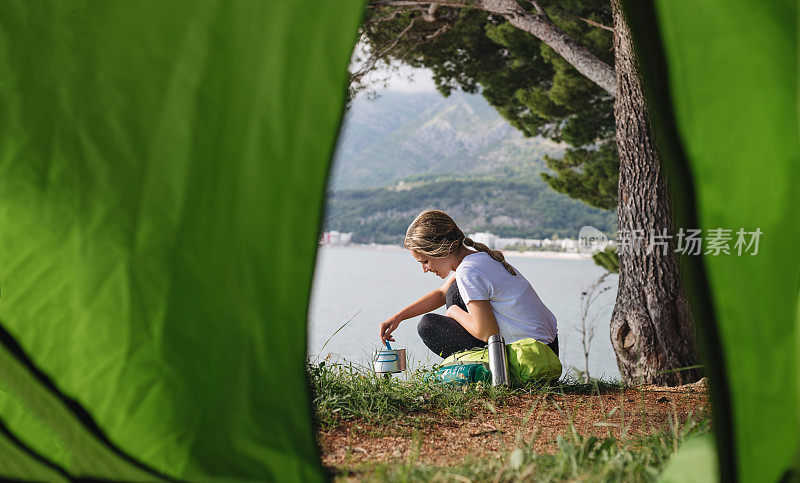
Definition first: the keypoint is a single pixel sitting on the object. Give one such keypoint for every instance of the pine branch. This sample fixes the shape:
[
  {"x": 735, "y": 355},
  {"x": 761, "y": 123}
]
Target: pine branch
[
  {"x": 539, "y": 25},
  {"x": 373, "y": 59},
  {"x": 597, "y": 24}
]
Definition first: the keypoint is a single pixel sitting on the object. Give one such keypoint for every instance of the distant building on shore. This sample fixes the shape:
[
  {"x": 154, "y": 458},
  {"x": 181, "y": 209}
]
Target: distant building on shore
[
  {"x": 496, "y": 242},
  {"x": 335, "y": 238},
  {"x": 488, "y": 239}
]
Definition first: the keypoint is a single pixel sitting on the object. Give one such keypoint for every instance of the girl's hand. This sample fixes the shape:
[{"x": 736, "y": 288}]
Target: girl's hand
[{"x": 387, "y": 327}]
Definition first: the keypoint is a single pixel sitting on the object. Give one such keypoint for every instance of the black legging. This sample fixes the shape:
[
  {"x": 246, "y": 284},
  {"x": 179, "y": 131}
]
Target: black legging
[{"x": 445, "y": 336}]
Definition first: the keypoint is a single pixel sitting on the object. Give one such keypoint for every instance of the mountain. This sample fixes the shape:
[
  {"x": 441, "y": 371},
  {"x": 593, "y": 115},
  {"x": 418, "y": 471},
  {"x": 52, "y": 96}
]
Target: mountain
[
  {"x": 507, "y": 202},
  {"x": 399, "y": 135},
  {"x": 403, "y": 153}
]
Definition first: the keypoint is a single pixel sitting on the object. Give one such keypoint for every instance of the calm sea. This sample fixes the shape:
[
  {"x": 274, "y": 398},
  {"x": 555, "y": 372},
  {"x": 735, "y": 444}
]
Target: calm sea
[{"x": 366, "y": 285}]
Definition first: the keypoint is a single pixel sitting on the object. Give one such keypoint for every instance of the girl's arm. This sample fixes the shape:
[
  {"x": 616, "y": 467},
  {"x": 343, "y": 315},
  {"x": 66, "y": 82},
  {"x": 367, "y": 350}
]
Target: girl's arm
[
  {"x": 427, "y": 303},
  {"x": 479, "y": 321}
]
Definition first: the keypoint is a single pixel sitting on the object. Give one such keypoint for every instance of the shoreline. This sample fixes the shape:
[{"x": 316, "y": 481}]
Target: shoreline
[
  {"x": 526, "y": 254},
  {"x": 546, "y": 254}
]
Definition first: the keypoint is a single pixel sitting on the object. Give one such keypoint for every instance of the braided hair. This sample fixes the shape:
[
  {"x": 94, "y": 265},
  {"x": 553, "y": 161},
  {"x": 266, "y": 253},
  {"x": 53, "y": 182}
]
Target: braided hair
[{"x": 434, "y": 234}]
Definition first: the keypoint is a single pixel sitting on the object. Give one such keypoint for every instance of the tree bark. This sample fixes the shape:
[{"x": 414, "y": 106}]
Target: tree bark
[{"x": 651, "y": 324}]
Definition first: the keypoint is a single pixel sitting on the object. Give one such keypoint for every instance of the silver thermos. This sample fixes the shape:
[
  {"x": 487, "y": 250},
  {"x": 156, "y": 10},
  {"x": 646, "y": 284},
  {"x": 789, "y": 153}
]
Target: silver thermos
[{"x": 497, "y": 360}]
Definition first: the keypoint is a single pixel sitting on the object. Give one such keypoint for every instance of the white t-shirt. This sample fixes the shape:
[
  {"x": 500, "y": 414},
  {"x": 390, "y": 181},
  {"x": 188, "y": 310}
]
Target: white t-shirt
[{"x": 517, "y": 308}]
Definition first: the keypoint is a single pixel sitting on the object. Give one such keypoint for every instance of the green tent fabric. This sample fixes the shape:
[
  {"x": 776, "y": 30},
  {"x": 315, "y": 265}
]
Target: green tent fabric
[
  {"x": 722, "y": 77},
  {"x": 694, "y": 463},
  {"x": 162, "y": 172},
  {"x": 162, "y": 168}
]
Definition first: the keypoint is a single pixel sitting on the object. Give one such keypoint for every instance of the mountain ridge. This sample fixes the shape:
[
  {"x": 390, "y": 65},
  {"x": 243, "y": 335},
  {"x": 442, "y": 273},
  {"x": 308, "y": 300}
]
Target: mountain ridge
[
  {"x": 399, "y": 135},
  {"x": 410, "y": 152}
]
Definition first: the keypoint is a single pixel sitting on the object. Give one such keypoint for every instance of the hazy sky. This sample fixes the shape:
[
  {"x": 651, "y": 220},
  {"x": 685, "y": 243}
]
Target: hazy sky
[
  {"x": 405, "y": 79},
  {"x": 409, "y": 79}
]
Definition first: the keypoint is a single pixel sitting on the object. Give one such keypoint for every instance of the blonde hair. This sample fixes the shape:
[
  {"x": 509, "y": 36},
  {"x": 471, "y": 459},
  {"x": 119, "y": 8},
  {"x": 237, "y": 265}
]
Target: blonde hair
[{"x": 434, "y": 234}]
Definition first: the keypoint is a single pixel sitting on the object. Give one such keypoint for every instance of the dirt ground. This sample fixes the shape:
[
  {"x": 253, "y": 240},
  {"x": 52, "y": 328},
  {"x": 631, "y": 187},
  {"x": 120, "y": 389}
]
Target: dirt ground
[{"x": 444, "y": 441}]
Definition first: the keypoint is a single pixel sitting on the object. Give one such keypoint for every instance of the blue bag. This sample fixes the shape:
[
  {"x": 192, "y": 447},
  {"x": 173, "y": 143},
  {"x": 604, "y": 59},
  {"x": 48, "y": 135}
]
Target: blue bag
[{"x": 464, "y": 372}]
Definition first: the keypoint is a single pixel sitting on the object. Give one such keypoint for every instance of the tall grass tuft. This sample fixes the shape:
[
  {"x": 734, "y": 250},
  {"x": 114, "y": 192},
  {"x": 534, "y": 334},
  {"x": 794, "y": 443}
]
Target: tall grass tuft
[{"x": 345, "y": 391}]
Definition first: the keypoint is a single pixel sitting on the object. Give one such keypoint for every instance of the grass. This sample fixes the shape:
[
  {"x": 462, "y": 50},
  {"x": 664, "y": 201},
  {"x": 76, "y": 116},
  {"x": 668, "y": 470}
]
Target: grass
[
  {"x": 383, "y": 404},
  {"x": 346, "y": 391}
]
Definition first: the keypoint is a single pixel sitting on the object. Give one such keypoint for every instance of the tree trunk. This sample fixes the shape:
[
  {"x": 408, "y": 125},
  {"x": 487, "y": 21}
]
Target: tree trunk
[{"x": 651, "y": 325}]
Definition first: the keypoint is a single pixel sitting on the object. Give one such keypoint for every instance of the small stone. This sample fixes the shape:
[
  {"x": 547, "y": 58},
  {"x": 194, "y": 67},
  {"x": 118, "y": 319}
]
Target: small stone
[{"x": 516, "y": 458}]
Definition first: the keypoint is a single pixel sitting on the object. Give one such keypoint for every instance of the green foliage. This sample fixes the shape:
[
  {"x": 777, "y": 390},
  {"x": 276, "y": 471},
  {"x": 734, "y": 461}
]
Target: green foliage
[
  {"x": 586, "y": 174},
  {"x": 607, "y": 259},
  {"x": 530, "y": 85}
]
